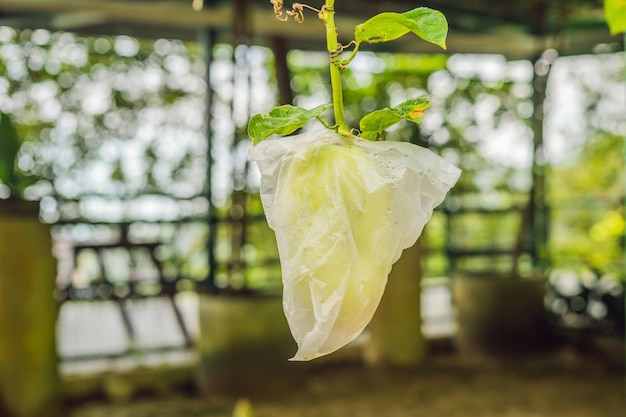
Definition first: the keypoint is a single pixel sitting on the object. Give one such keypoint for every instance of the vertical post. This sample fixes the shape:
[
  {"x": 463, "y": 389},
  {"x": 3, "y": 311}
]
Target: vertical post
[
  {"x": 207, "y": 39},
  {"x": 624, "y": 72},
  {"x": 240, "y": 107},
  {"x": 280, "y": 48},
  {"x": 29, "y": 379},
  {"x": 539, "y": 227}
]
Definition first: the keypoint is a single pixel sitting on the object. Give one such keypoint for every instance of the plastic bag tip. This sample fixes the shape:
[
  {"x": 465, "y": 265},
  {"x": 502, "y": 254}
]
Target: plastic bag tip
[{"x": 298, "y": 357}]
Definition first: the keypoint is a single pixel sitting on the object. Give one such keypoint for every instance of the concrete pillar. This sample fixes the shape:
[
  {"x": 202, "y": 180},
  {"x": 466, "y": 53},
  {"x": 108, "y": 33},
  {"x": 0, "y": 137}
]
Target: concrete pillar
[
  {"x": 395, "y": 331},
  {"x": 29, "y": 380}
]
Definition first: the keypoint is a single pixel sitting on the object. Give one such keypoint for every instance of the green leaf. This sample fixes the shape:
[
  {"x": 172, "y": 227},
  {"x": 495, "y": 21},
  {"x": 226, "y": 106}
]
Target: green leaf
[
  {"x": 373, "y": 124},
  {"x": 373, "y": 136},
  {"x": 430, "y": 25},
  {"x": 378, "y": 121},
  {"x": 282, "y": 120},
  {"x": 615, "y": 13},
  {"x": 9, "y": 147}
]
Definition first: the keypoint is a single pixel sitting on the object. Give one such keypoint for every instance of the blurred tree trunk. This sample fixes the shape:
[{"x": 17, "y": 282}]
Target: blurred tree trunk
[{"x": 280, "y": 48}]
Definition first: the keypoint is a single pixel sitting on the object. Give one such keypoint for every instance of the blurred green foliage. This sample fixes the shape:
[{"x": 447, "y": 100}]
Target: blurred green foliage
[
  {"x": 97, "y": 115},
  {"x": 117, "y": 116},
  {"x": 587, "y": 199}
]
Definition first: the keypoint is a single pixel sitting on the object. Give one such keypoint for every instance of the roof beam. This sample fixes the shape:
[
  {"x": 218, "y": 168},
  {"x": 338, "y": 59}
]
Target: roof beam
[{"x": 176, "y": 18}]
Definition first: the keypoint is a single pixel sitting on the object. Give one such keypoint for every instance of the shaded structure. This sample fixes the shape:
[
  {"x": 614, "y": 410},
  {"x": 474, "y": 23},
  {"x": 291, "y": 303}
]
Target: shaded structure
[{"x": 516, "y": 29}]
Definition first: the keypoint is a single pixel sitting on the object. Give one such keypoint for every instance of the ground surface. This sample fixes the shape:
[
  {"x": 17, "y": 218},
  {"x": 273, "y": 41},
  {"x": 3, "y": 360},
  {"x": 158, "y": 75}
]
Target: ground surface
[{"x": 567, "y": 384}]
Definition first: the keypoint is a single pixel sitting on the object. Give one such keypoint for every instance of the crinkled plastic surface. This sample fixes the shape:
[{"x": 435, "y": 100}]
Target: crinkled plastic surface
[{"x": 343, "y": 210}]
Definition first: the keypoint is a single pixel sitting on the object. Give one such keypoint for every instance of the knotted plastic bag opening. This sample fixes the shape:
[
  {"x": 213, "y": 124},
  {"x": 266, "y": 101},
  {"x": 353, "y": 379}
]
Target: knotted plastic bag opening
[{"x": 343, "y": 210}]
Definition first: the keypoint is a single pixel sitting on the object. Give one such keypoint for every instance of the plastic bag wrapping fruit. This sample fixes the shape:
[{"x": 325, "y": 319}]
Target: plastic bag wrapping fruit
[{"x": 342, "y": 211}]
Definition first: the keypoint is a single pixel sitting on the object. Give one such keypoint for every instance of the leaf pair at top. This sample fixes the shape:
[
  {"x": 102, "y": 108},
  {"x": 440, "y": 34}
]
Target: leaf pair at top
[{"x": 286, "y": 119}]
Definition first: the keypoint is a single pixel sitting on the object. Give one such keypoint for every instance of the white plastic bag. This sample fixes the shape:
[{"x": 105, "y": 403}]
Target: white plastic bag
[{"x": 343, "y": 210}]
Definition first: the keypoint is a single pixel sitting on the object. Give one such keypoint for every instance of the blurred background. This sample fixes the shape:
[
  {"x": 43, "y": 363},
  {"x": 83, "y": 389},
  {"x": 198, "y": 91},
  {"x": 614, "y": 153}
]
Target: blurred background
[{"x": 165, "y": 283}]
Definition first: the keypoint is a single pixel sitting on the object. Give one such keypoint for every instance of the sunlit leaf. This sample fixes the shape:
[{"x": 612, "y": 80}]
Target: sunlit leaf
[
  {"x": 430, "y": 25},
  {"x": 373, "y": 124},
  {"x": 282, "y": 120},
  {"x": 615, "y": 12},
  {"x": 412, "y": 109}
]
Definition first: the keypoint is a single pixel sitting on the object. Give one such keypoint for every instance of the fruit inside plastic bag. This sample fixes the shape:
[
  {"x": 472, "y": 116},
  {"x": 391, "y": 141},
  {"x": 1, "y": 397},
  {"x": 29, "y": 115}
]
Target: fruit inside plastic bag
[{"x": 343, "y": 210}]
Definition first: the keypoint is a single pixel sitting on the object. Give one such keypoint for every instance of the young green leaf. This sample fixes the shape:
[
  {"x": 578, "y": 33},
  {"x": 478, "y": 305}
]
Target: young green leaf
[
  {"x": 378, "y": 121},
  {"x": 9, "y": 146},
  {"x": 372, "y": 136},
  {"x": 282, "y": 120},
  {"x": 430, "y": 25},
  {"x": 373, "y": 124}
]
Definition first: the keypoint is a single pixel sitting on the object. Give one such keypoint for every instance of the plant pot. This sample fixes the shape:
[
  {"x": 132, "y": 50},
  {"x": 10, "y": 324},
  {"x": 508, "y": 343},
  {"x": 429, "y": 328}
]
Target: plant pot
[
  {"x": 244, "y": 342},
  {"x": 395, "y": 336},
  {"x": 497, "y": 313},
  {"x": 29, "y": 380}
]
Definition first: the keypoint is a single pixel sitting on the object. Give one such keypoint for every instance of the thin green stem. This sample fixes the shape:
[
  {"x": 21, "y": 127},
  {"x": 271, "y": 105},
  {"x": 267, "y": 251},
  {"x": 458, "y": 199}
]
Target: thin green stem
[
  {"x": 346, "y": 62},
  {"x": 328, "y": 16},
  {"x": 326, "y": 125}
]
